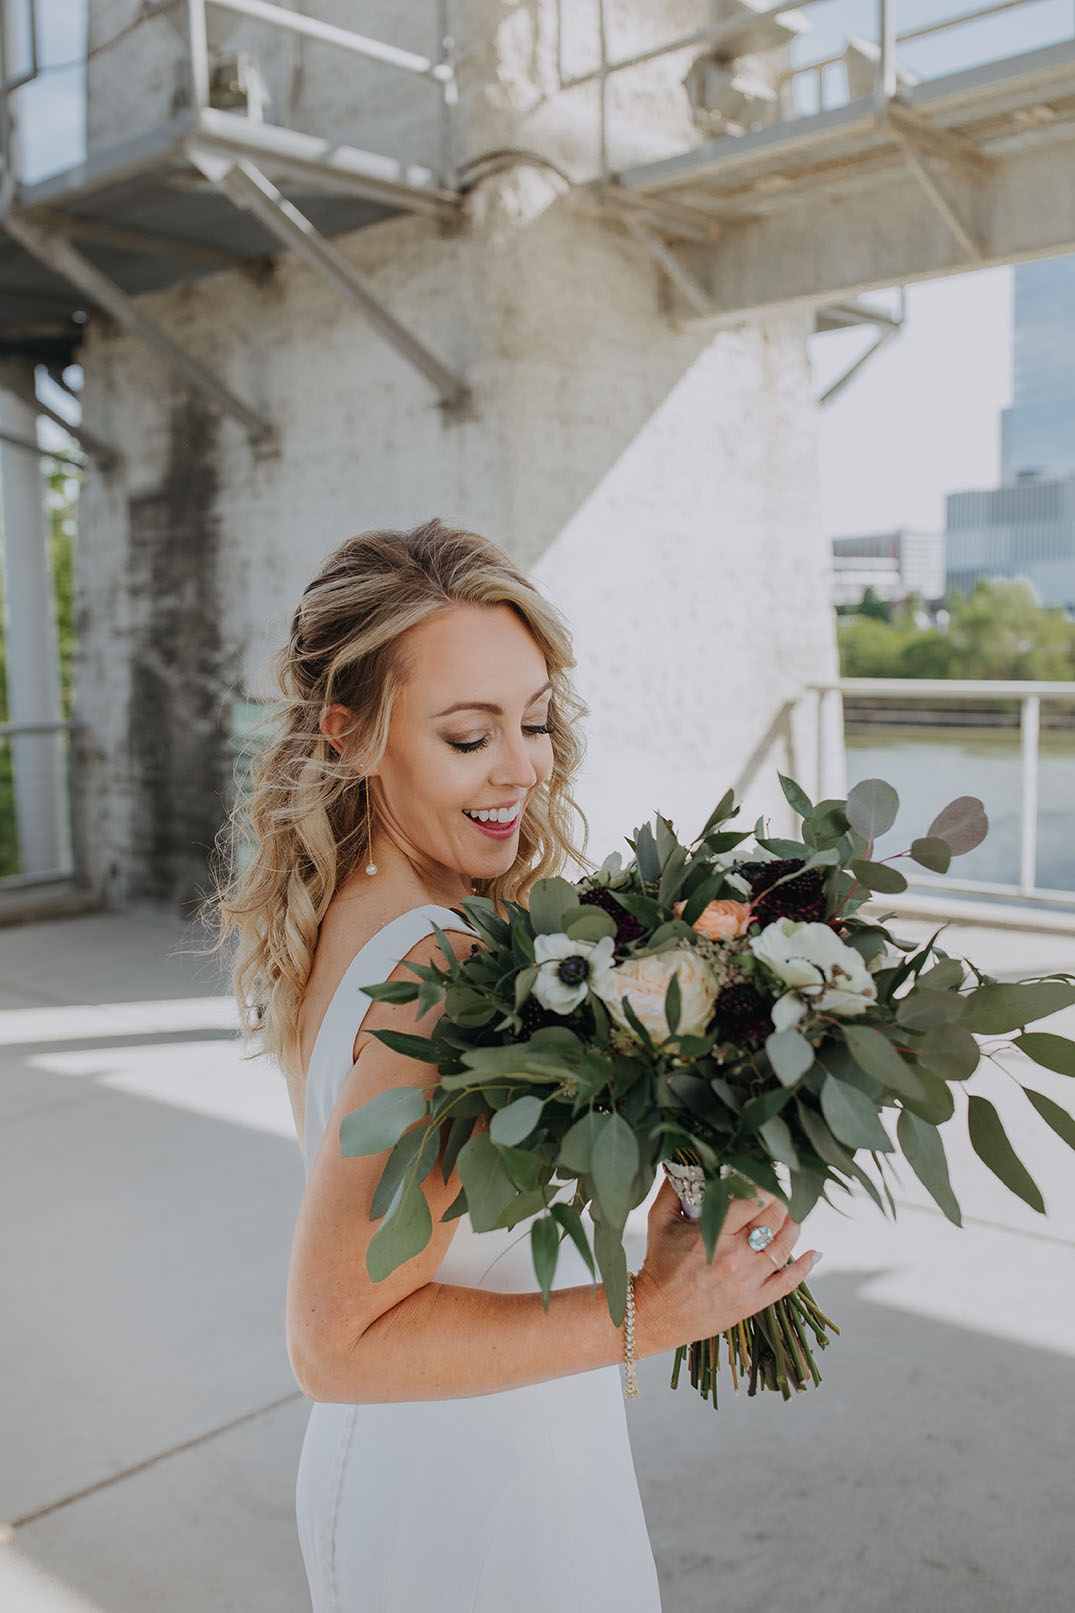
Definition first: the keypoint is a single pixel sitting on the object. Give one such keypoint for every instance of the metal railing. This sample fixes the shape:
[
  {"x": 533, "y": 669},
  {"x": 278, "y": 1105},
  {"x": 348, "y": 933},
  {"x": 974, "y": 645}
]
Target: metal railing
[
  {"x": 830, "y": 774},
  {"x": 201, "y": 23},
  {"x": 38, "y": 835},
  {"x": 886, "y": 68}
]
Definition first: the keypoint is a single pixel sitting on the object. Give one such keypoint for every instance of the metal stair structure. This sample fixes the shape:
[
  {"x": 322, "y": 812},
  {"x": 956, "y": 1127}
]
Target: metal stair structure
[{"x": 907, "y": 178}]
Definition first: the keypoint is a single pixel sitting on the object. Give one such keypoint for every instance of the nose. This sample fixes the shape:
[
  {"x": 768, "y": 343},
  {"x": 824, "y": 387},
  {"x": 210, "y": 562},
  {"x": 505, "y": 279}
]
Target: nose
[{"x": 517, "y": 767}]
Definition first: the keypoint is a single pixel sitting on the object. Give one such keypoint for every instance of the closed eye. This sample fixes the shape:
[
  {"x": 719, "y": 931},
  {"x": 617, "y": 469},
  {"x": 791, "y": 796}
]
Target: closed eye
[{"x": 476, "y": 744}]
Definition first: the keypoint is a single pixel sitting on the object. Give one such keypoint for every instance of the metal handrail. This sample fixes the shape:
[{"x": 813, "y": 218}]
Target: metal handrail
[{"x": 1030, "y": 694}]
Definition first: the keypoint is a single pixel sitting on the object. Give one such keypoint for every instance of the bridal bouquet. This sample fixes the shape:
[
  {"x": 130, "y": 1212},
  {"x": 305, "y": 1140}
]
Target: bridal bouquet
[{"x": 721, "y": 1012}]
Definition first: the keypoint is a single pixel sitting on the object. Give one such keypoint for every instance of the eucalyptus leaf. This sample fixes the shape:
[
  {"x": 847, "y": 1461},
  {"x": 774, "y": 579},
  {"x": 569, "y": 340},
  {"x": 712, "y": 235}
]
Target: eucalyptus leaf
[
  {"x": 1053, "y": 1115},
  {"x": 852, "y": 1117},
  {"x": 612, "y": 1264},
  {"x": 1052, "y": 1052},
  {"x": 549, "y": 900},
  {"x": 931, "y": 852},
  {"x": 672, "y": 1003},
  {"x": 576, "y": 1145},
  {"x": 871, "y": 807},
  {"x": 878, "y": 876},
  {"x": 875, "y": 1054},
  {"x": 414, "y": 1047},
  {"x": 715, "y": 1202},
  {"x": 937, "y": 1105},
  {"x": 806, "y": 1188},
  {"x": 399, "y": 1161},
  {"x": 523, "y": 1167},
  {"x": 962, "y": 823},
  {"x": 923, "y": 1008},
  {"x": 949, "y": 1051},
  {"x": 924, "y": 1152},
  {"x": 381, "y": 1120},
  {"x": 589, "y": 923},
  {"x": 776, "y": 1135},
  {"x": 790, "y": 1054},
  {"x": 795, "y": 796},
  {"x": 391, "y": 991},
  {"x": 544, "y": 1249},
  {"x": 571, "y": 1221},
  {"x": 614, "y": 1163},
  {"x": 990, "y": 1142},
  {"x": 516, "y": 1120},
  {"x": 404, "y": 1232},
  {"x": 1004, "y": 1006},
  {"x": 489, "y": 1188}
]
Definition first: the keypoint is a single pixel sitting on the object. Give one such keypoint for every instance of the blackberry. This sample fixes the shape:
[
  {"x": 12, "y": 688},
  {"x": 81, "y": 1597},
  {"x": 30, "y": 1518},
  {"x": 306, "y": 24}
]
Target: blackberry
[
  {"x": 535, "y": 1017},
  {"x": 801, "y": 899},
  {"x": 627, "y": 928}
]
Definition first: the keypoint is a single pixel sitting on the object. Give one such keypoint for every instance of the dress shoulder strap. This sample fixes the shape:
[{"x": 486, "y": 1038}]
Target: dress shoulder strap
[{"x": 330, "y": 1059}]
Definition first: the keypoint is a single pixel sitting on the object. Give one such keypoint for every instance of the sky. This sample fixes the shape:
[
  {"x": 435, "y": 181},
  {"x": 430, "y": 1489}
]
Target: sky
[{"x": 922, "y": 418}]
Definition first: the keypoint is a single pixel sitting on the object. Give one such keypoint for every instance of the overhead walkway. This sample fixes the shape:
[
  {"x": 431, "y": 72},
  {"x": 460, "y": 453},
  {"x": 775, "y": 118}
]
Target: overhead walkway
[{"x": 908, "y": 179}]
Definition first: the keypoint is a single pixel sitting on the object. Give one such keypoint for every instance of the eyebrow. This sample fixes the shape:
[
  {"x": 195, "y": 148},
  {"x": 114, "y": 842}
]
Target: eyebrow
[{"x": 487, "y": 705}]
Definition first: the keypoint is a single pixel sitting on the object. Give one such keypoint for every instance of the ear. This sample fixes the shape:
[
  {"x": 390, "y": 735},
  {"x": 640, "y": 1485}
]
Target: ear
[{"x": 331, "y": 720}]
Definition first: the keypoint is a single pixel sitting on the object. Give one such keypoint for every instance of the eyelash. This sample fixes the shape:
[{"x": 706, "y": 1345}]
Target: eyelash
[{"x": 476, "y": 744}]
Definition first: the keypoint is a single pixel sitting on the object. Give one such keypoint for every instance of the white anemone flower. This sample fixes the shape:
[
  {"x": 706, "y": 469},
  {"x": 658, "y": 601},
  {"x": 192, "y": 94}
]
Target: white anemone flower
[
  {"x": 817, "y": 966},
  {"x": 559, "y": 990}
]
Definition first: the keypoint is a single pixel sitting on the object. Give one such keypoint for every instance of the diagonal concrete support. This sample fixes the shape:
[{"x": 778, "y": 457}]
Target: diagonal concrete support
[
  {"x": 250, "y": 189},
  {"x": 665, "y": 258},
  {"x": 915, "y": 138},
  {"x": 50, "y": 248}
]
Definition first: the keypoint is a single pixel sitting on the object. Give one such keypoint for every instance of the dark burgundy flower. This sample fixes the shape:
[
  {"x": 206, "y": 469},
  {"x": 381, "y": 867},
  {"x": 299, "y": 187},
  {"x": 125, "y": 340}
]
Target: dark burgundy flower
[
  {"x": 801, "y": 899},
  {"x": 741, "y": 1014},
  {"x": 534, "y": 1017},
  {"x": 627, "y": 928}
]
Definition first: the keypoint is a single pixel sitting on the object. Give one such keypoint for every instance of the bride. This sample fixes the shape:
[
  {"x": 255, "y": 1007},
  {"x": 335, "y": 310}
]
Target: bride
[{"x": 465, "y": 1449}]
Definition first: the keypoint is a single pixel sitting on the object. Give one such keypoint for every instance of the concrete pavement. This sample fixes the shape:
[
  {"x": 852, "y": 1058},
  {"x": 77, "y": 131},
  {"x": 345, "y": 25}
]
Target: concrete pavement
[{"x": 150, "y": 1428}]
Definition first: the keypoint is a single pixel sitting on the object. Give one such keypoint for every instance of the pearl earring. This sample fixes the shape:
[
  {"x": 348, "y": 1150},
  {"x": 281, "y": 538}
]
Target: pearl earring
[{"x": 371, "y": 866}]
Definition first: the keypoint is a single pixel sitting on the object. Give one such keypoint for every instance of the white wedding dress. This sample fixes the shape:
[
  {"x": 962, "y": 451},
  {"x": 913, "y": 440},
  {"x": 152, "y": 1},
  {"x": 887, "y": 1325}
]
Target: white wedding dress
[{"x": 519, "y": 1501}]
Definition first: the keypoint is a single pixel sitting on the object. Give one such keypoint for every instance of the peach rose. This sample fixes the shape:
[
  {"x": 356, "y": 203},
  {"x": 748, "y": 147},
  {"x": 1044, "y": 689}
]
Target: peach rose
[
  {"x": 719, "y": 920},
  {"x": 644, "y": 982}
]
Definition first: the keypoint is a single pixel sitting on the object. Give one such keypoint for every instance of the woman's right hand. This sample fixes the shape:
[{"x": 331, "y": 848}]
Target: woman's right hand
[{"x": 680, "y": 1296}]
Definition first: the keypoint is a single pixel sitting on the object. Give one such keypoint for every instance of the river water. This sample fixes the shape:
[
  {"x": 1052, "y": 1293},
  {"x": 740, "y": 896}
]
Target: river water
[{"x": 928, "y": 767}]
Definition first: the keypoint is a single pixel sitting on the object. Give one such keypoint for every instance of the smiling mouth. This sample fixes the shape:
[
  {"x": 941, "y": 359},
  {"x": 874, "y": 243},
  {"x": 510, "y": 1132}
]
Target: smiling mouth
[{"x": 494, "y": 816}]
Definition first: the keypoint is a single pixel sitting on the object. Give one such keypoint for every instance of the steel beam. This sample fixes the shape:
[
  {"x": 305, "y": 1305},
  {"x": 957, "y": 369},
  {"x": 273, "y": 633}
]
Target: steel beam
[
  {"x": 666, "y": 260},
  {"x": 50, "y": 248},
  {"x": 249, "y": 188},
  {"x": 22, "y": 385}
]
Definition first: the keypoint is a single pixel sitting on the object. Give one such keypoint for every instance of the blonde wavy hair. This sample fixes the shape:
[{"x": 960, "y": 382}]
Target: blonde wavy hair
[{"x": 299, "y": 829}]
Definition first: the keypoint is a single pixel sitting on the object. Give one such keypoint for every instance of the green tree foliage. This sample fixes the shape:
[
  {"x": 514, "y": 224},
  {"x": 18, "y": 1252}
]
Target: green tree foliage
[
  {"x": 62, "y": 484},
  {"x": 998, "y": 631}
]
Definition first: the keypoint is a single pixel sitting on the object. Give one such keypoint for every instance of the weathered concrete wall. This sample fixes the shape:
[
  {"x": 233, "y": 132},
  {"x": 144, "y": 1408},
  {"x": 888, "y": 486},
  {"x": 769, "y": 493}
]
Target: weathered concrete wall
[{"x": 659, "y": 481}]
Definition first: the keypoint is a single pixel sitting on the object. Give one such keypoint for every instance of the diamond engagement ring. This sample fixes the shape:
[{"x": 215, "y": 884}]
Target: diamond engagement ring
[{"x": 761, "y": 1237}]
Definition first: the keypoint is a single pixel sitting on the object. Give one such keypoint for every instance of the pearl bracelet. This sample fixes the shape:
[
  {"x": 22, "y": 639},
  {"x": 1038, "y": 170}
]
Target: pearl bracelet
[{"x": 630, "y": 1385}]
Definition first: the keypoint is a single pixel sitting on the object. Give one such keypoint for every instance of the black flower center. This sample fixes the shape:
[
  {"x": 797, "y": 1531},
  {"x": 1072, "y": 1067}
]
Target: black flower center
[{"x": 573, "y": 970}]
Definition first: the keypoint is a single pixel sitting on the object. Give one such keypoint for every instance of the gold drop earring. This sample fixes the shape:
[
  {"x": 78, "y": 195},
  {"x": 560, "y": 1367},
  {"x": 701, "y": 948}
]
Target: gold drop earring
[{"x": 371, "y": 866}]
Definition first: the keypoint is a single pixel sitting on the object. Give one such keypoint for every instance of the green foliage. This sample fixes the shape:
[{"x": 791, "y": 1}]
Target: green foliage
[
  {"x": 61, "y": 495},
  {"x": 997, "y": 631}
]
